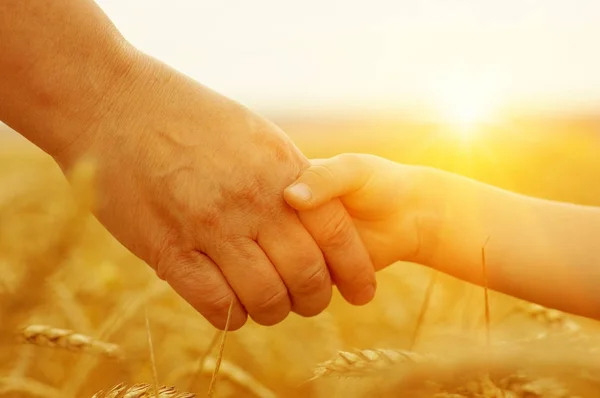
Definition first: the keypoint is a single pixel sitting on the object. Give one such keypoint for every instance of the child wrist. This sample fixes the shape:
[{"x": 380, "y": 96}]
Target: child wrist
[{"x": 429, "y": 213}]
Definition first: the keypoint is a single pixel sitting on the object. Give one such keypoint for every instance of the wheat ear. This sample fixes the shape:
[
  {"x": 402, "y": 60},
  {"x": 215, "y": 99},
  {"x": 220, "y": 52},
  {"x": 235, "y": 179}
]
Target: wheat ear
[
  {"x": 48, "y": 336},
  {"x": 360, "y": 363},
  {"x": 553, "y": 318},
  {"x": 142, "y": 391}
]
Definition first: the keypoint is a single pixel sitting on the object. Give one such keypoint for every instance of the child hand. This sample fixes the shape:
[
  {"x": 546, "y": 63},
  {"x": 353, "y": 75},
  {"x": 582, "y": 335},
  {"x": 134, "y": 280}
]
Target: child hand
[{"x": 385, "y": 199}]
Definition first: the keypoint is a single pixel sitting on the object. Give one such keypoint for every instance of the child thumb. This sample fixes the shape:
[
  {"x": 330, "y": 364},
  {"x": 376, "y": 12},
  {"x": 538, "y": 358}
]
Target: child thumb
[{"x": 323, "y": 181}]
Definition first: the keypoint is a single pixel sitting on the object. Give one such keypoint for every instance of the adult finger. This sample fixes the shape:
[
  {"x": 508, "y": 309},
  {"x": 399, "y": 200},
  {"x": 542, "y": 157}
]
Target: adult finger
[
  {"x": 254, "y": 279},
  {"x": 300, "y": 264},
  {"x": 348, "y": 260},
  {"x": 198, "y": 280},
  {"x": 327, "y": 179}
]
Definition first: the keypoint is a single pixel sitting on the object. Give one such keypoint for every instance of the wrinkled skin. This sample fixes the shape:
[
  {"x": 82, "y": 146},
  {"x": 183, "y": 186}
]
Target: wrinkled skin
[{"x": 192, "y": 183}]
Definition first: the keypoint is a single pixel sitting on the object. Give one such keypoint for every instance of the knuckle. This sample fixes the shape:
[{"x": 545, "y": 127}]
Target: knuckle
[
  {"x": 237, "y": 245},
  {"x": 170, "y": 249},
  {"x": 170, "y": 264},
  {"x": 217, "y": 313},
  {"x": 272, "y": 307},
  {"x": 162, "y": 268},
  {"x": 337, "y": 230},
  {"x": 311, "y": 280},
  {"x": 277, "y": 146},
  {"x": 162, "y": 253},
  {"x": 189, "y": 269},
  {"x": 219, "y": 304},
  {"x": 312, "y": 294}
]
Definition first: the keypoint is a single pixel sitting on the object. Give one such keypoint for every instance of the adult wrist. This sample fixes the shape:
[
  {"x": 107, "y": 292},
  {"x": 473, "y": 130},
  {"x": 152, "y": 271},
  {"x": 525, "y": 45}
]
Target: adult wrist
[{"x": 103, "y": 89}]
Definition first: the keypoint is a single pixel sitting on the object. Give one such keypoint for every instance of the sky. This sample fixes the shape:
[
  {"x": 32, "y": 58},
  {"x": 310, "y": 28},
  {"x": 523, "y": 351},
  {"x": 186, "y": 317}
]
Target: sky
[{"x": 377, "y": 54}]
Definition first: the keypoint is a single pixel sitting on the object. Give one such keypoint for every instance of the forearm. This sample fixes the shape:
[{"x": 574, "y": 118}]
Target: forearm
[
  {"x": 60, "y": 59},
  {"x": 542, "y": 251}
]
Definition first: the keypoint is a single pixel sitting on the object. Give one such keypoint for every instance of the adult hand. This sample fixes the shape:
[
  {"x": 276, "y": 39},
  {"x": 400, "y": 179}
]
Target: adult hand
[{"x": 192, "y": 183}]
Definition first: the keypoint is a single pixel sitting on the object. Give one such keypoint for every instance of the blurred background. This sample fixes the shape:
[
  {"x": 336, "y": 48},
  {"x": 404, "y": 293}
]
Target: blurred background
[{"x": 503, "y": 91}]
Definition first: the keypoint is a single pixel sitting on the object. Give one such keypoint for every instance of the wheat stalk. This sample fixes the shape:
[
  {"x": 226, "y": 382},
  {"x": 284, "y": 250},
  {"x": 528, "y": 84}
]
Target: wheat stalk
[
  {"x": 48, "y": 336},
  {"x": 213, "y": 380},
  {"x": 228, "y": 371},
  {"x": 486, "y": 296},
  {"x": 424, "y": 307},
  {"x": 202, "y": 361},
  {"x": 152, "y": 358},
  {"x": 359, "y": 363},
  {"x": 142, "y": 391}
]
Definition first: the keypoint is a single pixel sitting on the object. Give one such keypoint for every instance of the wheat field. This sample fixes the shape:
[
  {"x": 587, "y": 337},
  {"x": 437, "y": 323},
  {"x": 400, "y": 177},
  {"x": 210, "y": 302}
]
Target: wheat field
[{"x": 82, "y": 317}]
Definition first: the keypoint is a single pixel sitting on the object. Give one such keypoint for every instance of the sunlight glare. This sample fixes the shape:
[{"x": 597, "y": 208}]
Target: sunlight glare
[{"x": 466, "y": 107}]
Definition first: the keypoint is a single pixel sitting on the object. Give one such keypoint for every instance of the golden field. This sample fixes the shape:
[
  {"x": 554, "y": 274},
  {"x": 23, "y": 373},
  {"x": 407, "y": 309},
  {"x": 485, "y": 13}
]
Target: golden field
[{"x": 79, "y": 314}]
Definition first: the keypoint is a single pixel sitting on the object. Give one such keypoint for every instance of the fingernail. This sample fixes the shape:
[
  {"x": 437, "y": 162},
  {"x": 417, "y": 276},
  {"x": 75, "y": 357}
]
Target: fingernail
[{"x": 301, "y": 191}]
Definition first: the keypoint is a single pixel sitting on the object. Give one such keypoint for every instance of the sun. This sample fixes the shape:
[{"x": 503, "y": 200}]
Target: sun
[
  {"x": 466, "y": 117},
  {"x": 465, "y": 108}
]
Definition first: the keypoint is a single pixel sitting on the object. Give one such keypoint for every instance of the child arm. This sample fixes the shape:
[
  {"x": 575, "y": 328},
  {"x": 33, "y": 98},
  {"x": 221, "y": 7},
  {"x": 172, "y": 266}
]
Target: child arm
[{"x": 538, "y": 250}]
